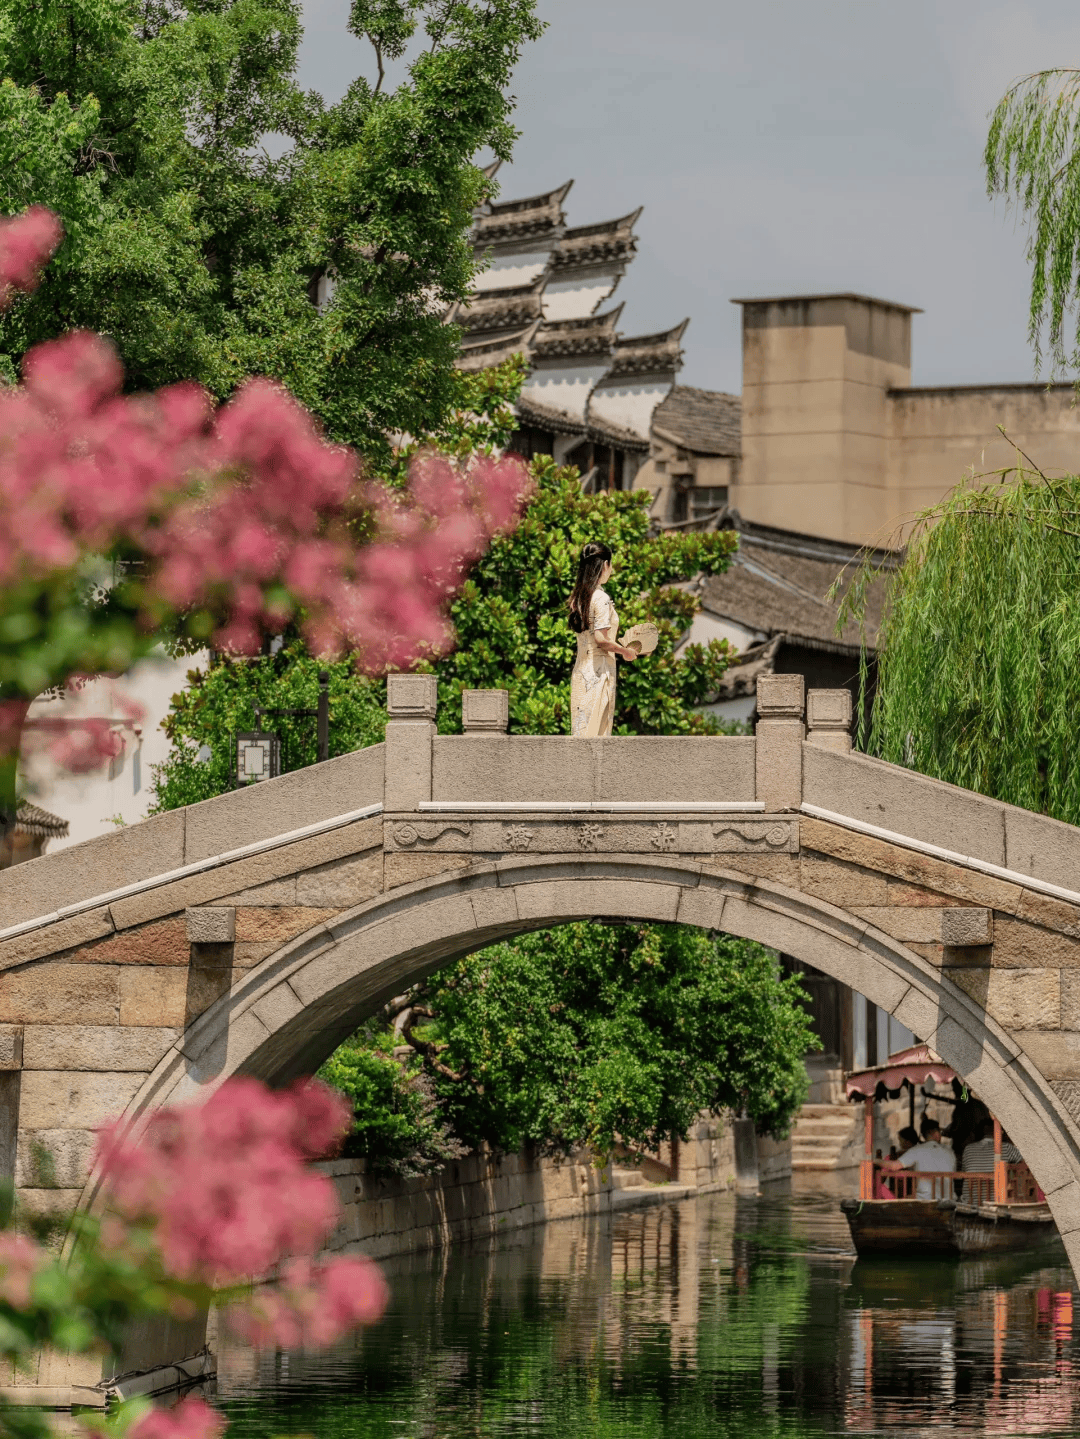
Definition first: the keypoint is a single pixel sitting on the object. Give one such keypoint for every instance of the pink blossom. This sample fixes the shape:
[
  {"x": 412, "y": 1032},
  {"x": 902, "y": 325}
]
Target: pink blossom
[
  {"x": 20, "y": 1259},
  {"x": 313, "y": 1305},
  {"x": 26, "y": 243},
  {"x": 243, "y": 516},
  {"x": 192, "y": 1418},
  {"x": 226, "y": 1183}
]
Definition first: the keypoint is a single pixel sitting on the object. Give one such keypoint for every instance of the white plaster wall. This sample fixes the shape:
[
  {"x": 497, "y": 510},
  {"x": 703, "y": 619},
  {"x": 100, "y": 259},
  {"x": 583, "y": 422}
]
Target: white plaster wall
[
  {"x": 574, "y": 299},
  {"x": 90, "y": 802},
  {"x": 630, "y": 406},
  {"x": 565, "y": 389},
  {"x": 705, "y": 627},
  {"x": 510, "y": 270}
]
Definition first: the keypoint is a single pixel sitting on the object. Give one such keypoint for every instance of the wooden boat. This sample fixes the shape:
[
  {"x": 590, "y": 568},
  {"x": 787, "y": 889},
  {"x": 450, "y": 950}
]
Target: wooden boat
[{"x": 944, "y": 1213}]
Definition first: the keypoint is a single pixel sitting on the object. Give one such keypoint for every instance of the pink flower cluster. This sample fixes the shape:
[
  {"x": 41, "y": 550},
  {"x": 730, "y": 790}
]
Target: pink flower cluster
[
  {"x": 227, "y": 1184},
  {"x": 20, "y": 1259},
  {"x": 192, "y": 1418},
  {"x": 312, "y": 1305},
  {"x": 26, "y": 243}
]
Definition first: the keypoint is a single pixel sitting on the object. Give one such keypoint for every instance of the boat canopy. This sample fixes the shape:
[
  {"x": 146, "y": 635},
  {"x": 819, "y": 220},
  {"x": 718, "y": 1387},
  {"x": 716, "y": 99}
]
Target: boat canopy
[{"x": 912, "y": 1067}]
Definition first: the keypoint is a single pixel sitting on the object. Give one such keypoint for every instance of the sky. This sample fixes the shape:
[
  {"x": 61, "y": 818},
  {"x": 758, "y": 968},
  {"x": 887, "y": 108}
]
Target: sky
[{"x": 780, "y": 147}]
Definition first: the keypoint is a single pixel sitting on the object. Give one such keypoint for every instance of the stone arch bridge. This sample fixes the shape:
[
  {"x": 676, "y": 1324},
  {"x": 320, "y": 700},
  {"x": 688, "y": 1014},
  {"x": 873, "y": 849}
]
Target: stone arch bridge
[{"x": 252, "y": 932}]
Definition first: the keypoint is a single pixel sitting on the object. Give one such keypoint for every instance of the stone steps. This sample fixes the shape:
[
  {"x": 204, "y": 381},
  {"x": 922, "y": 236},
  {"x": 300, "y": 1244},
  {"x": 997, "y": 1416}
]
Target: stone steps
[{"x": 822, "y": 1132}]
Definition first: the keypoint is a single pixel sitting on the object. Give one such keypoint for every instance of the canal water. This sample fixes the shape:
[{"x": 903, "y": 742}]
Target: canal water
[{"x": 717, "y": 1316}]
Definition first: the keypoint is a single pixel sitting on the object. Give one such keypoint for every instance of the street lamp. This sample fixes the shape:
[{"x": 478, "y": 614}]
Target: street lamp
[{"x": 258, "y": 756}]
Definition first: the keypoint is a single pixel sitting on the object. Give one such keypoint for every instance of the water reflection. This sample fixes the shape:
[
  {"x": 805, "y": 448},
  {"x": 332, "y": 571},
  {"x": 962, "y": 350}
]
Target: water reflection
[{"x": 714, "y": 1316}]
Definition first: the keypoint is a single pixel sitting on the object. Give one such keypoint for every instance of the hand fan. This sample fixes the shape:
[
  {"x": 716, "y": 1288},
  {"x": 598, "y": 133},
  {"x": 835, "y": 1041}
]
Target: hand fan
[{"x": 640, "y": 638}]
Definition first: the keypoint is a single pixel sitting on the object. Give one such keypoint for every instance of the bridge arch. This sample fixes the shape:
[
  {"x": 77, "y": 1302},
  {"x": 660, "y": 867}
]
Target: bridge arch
[{"x": 286, "y": 1016}]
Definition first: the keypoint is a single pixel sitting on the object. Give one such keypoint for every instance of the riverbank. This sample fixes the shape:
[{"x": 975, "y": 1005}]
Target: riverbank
[{"x": 485, "y": 1194}]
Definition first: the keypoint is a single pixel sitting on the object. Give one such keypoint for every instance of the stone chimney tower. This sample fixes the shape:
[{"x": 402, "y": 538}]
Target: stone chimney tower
[{"x": 817, "y": 370}]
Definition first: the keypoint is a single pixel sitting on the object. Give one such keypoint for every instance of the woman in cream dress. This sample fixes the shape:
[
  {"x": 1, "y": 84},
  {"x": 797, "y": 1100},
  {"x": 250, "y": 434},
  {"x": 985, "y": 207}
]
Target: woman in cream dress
[{"x": 593, "y": 617}]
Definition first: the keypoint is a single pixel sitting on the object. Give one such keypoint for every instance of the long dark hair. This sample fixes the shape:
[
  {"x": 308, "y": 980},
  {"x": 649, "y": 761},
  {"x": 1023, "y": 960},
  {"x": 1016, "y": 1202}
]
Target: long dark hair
[{"x": 590, "y": 567}]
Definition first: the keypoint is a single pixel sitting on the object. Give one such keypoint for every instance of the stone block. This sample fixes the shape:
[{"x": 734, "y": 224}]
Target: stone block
[
  {"x": 534, "y": 767},
  {"x": 342, "y": 884},
  {"x": 58, "y": 938},
  {"x": 1054, "y": 1053},
  {"x": 279, "y": 806},
  {"x": 399, "y": 869},
  {"x": 153, "y": 998},
  {"x": 828, "y": 718},
  {"x": 560, "y": 900},
  {"x": 494, "y": 908},
  {"x": 906, "y": 922},
  {"x": 778, "y": 760},
  {"x": 247, "y": 956},
  {"x": 1045, "y": 848},
  {"x": 412, "y": 696},
  {"x": 779, "y": 868},
  {"x": 110, "y": 1047},
  {"x": 847, "y": 885},
  {"x": 485, "y": 711},
  {"x": 277, "y": 1007},
  {"x": 1016, "y": 998},
  {"x": 967, "y": 926},
  {"x": 1023, "y": 946},
  {"x": 408, "y": 763},
  {"x": 54, "y": 1158},
  {"x": 212, "y": 924},
  {"x": 278, "y": 924},
  {"x": 59, "y": 993},
  {"x": 1070, "y": 998},
  {"x": 68, "y": 1099},
  {"x": 162, "y": 942},
  {"x": 654, "y": 767},
  {"x": 274, "y": 891},
  {"x": 83, "y": 871},
  {"x": 1050, "y": 913},
  {"x": 905, "y": 864},
  {"x": 11, "y": 1047},
  {"x": 903, "y": 802},
  {"x": 702, "y": 905},
  {"x": 781, "y": 696},
  {"x": 919, "y": 1012},
  {"x": 915, "y": 896}
]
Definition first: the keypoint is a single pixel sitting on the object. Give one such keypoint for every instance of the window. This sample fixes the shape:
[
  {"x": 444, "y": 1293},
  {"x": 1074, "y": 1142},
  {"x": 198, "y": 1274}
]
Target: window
[{"x": 707, "y": 498}]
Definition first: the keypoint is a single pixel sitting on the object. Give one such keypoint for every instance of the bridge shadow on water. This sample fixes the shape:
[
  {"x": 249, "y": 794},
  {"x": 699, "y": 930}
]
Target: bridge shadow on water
[{"x": 714, "y": 1316}]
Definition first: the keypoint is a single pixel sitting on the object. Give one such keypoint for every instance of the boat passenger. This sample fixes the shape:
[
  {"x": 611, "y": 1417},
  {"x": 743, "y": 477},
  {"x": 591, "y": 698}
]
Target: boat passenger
[
  {"x": 979, "y": 1159},
  {"x": 929, "y": 1157}
]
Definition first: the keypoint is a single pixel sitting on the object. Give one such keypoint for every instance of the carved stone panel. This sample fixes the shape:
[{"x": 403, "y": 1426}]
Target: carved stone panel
[{"x": 593, "y": 833}]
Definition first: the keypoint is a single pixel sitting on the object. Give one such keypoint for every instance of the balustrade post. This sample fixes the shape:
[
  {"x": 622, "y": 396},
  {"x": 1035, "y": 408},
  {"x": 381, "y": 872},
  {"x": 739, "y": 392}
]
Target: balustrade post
[
  {"x": 781, "y": 704},
  {"x": 410, "y": 702},
  {"x": 1001, "y": 1177},
  {"x": 828, "y": 719},
  {"x": 866, "y": 1168}
]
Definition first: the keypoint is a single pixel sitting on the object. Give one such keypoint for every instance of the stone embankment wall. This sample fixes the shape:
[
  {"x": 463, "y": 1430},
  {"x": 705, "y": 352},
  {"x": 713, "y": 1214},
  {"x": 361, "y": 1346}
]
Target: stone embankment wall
[{"x": 486, "y": 1194}]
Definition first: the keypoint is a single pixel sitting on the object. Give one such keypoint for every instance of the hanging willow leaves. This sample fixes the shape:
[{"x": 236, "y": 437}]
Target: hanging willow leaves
[
  {"x": 1032, "y": 158},
  {"x": 978, "y": 679}
]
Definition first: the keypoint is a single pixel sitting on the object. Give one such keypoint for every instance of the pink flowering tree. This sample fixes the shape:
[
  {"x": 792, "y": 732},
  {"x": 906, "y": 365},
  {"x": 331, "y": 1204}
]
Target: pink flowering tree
[
  {"x": 212, "y": 1204},
  {"x": 128, "y": 518}
]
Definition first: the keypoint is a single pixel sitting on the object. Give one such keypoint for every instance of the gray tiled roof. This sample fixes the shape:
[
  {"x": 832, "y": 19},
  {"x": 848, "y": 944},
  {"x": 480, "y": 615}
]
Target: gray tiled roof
[{"x": 707, "y": 422}]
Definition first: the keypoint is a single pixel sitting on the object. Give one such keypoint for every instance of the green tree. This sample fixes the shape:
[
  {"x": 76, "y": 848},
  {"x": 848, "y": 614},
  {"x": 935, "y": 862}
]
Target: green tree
[
  {"x": 143, "y": 123},
  {"x": 510, "y": 620},
  {"x": 594, "y": 1033},
  {"x": 1032, "y": 158},
  {"x": 978, "y": 677}
]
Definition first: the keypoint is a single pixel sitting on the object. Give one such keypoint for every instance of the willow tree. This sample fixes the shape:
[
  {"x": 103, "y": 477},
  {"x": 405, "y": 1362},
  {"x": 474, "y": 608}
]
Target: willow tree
[
  {"x": 979, "y": 650},
  {"x": 1032, "y": 158},
  {"x": 978, "y": 674}
]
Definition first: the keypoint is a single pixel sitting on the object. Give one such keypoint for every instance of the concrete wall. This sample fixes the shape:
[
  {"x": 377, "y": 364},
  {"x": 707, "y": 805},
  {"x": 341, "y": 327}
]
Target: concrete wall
[
  {"x": 836, "y": 443},
  {"x": 486, "y": 1194}
]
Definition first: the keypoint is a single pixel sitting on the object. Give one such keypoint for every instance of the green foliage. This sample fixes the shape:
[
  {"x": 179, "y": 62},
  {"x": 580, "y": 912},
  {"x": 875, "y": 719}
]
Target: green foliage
[
  {"x": 979, "y": 652},
  {"x": 511, "y": 625},
  {"x": 220, "y": 700},
  {"x": 142, "y": 122},
  {"x": 1032, "y": 157},
  {"x": 596, "y": 1033},
  {"x": 396, "y": 1125},
  {"x": 511, "y": 621}
]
